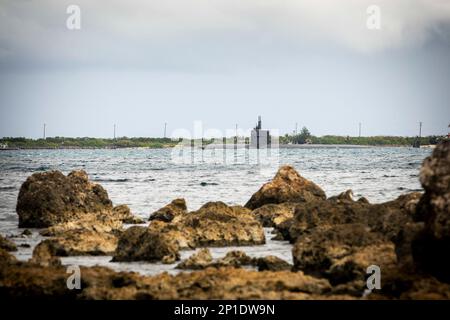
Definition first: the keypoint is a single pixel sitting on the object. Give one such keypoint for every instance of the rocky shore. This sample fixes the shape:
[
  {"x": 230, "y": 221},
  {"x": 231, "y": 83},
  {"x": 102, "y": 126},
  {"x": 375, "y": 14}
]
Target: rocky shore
[{"x": 335, "y": 239}]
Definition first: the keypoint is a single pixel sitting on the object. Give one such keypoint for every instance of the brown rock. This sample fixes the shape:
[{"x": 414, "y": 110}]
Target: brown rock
[
  {"x": 123, "y": 213},
  {"x": 342, "y": 253},
  {"x": 79, "y": 242},
  {"x": 272, "y": 263},
  {"x": 143, "y": 244},
  {"x": 199, "y": 260},
  {"x": 434, "y": 210},
  {"x": 286, "y": 186},
  {"x": 48, "y": 198},
  {"x": 216, "y": 224},
  {"x": 176, "y": 208},
  {"x": 386, "y": 218},
  {"x": 32, "y": 281},
  {"x": 95, "y": 222},
  {"x": 44, "y": 254},
  {"x": 7, "y": 245},
  {"x": 272, "y": 215},
  {"x": 235, "y": 258},
  {"x": 6, "y": 258}
]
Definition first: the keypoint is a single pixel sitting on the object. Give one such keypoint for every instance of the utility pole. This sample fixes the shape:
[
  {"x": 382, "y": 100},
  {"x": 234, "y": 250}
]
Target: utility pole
[
  {"x": 296, "y": 128},
  {"x": 44, "y": 130},
  {"x": 359, "y": 130},
  {"x": 165, "y": 129},
  {"x": 420, "y": 129},
  {"x": 114, "y": 131}
]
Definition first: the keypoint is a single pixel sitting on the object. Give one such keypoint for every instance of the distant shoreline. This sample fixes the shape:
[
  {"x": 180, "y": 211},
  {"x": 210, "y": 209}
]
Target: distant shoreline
[{"x": 228, "y": 146}]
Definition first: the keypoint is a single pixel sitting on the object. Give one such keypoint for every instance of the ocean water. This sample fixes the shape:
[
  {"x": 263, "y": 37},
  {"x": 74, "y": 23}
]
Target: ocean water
[{"x": 147, "y": 179}]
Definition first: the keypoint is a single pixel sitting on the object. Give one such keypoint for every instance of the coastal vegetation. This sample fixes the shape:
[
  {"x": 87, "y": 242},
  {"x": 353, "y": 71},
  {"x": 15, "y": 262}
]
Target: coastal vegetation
[
  {"x": 86, "y": 142},
  {"x": 304, "y": 137}
]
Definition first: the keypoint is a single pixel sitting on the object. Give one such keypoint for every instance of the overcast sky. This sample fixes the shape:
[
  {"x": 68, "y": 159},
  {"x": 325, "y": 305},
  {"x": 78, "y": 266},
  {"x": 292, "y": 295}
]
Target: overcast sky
[{"x": 142, "y": 63}]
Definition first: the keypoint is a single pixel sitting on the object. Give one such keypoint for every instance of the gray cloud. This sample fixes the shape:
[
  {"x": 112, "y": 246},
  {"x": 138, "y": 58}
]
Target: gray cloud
[
  {"x": 142, "y": 63},
  {"x": 184, "y": 33}
]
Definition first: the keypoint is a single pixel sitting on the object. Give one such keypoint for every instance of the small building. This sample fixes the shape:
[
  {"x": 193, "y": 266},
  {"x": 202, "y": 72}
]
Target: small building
[{"x": 260, "y": 139}]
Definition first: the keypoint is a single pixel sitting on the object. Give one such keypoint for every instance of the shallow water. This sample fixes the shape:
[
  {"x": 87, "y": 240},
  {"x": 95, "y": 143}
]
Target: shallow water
[{"x": 147, "y": 179}]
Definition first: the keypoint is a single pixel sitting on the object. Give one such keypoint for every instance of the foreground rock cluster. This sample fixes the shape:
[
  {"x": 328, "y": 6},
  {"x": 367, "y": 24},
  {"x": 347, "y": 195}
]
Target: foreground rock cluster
[
  {"x": 76, "y": 213},
  {"x": 334, "y": 241}
]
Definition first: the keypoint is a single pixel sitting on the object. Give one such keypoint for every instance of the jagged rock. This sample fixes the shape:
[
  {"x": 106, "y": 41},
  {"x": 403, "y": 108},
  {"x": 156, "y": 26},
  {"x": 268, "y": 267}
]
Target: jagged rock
[
  {"x": 390, "y": 217},
  {"x": 199, "y": 260},
  {"x": 27, "y": 233},
  {"x": 342, "y": 253},
  {"x": 176, "y": 208},
  {"x": 203, "y": 260},
  {"x": 434, "y": 210},
  {"x": 44, "y": 254},
  {"x": 5, "y": 259},
  {"x": 48, "y": 198},
  {"x": 271, "y": 215},
  {"x": 346, "y": 196},
  {"x": 143, "y": 244},
  {"x": 123, "y": 213},
  {"x": 7, "y": 245},
  {"x": 403, "y": 245},
  {"x": 286, "y": 186},
  {"x": 410, "y": 285},
  {"x": 235, "y": 258},
  {"x": 33, "y": 281},
  {"x": 95, "y": 222},
  {"x": 77, "y": 242},
  {"x": 174, "y": 231},
  {"x": 216, "y": 224},
  {"x": 386, "y": 218},
  {"x": 272, "y": 263}
]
